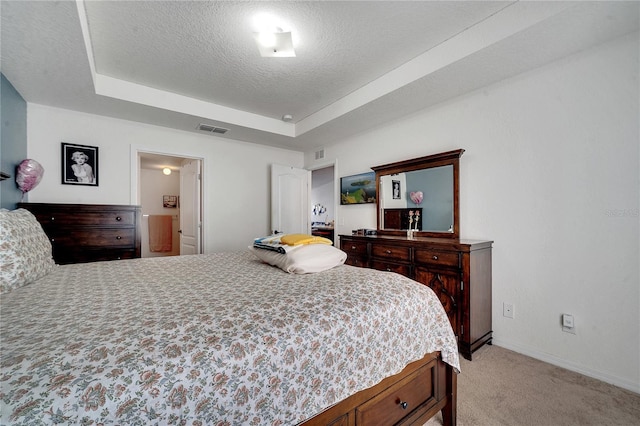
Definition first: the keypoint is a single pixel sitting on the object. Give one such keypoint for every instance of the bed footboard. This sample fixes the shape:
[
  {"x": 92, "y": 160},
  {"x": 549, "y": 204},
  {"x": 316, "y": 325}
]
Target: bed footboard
[{"x": 410, "y": 397}]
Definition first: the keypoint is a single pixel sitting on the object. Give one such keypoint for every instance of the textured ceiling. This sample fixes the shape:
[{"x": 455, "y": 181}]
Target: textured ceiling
[
  {"x": 358, "y": 64},
  {"x": 217, "y": 60}
]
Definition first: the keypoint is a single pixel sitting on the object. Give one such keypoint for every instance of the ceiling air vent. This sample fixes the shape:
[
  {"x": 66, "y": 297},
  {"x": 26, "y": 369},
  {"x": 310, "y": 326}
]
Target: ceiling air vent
[{"x": 212, "y": 129}]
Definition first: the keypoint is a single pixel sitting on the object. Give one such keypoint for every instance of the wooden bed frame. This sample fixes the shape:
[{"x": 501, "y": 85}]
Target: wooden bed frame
[{"x": 410, "y": 397}]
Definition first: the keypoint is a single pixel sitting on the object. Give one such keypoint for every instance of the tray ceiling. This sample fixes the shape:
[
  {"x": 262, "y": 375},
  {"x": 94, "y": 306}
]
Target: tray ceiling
[{"x": 358, "y": 64}]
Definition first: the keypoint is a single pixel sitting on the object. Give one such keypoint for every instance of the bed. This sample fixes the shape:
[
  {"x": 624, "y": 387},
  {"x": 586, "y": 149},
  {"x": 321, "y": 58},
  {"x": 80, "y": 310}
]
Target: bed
[{"x": 219, "y": 339}]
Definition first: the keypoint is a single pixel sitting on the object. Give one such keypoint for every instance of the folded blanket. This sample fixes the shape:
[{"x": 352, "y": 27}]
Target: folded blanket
[
  {"x": 272, "y": 242},
  {"x": 284, "y": 243},
  {"x": 301, "y": 239}
]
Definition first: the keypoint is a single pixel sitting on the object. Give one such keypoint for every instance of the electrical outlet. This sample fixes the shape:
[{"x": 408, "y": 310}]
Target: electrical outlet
[{"x": 507, "y": 310}]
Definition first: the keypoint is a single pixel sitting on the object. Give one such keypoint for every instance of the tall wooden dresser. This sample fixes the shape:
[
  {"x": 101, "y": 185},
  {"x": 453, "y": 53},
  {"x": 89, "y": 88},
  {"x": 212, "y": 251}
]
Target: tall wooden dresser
[
  {"x": 459, "y": 272},
  {"x": 82, "y": 233}
]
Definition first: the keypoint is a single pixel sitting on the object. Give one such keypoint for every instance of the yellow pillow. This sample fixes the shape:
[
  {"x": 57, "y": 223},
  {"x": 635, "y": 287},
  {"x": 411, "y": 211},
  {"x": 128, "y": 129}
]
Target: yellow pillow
[{"x": 300, "y": 239}]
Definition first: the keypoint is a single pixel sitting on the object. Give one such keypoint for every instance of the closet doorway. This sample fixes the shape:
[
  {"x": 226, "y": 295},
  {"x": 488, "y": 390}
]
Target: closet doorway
[{"x": 170, "y": 193}]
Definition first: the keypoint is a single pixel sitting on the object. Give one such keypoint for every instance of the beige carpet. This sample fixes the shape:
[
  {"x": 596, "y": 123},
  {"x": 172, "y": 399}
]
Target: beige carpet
[{"x": 501, "y": 387}]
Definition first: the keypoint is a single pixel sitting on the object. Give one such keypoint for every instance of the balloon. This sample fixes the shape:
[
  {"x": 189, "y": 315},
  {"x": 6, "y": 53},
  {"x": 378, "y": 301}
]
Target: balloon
[
  {"x": 416, "y": 197},
  {"x": 29, "y": 175}
]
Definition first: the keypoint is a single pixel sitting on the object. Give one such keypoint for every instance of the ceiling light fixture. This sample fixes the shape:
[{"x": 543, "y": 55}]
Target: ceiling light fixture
[
  {"x": 278, "y": 44},
  {"x": 166, "y": 171}
]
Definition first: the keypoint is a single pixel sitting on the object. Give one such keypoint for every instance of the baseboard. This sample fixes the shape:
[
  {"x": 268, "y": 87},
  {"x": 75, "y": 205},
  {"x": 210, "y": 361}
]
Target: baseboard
[{"x": 563, "y": 363}]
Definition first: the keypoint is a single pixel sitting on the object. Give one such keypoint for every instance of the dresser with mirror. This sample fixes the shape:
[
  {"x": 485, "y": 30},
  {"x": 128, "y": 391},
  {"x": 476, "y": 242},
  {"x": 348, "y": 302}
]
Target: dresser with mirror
[{"x": 418, "y": 235}]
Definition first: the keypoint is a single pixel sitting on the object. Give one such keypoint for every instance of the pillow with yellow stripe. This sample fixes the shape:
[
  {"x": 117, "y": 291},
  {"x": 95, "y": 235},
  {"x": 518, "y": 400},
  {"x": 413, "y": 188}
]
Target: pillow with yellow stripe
[{"x": 303, "y": 239}]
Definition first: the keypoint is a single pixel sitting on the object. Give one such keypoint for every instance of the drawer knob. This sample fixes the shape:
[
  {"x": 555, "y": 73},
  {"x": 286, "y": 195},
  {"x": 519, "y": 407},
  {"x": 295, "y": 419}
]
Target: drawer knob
[
  {"x": 118, "y": 237},
  {"x": 435, "y": 257},
  {"x": 118, "y": 218},
  {"x": 53, "y": 239},
  {"x": 53, "y": 218},
  {"x": 403, "y": 405},
  {"x": 353, "y": 247},
  {"x": 388, "y": 251},
  {"x": 388, "y": 269}
]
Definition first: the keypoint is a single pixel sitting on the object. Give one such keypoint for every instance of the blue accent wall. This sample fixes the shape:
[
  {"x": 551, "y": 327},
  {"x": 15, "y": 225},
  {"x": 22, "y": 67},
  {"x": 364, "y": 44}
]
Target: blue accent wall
[
  {"x": 13, "y": 141},
  {"x": 436, "y": 185}
]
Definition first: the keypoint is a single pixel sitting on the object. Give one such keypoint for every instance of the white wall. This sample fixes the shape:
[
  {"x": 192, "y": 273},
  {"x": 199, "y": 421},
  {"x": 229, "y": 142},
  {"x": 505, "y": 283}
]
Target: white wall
[
  {"x": 551, "y": 174},
  {"x": 236, "y": 175}
]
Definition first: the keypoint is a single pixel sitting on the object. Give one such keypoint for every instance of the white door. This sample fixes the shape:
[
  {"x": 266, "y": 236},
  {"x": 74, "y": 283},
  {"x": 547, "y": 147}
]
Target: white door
[
  {"x": 290, "y": 210},
  {"x": 190, "y": 224}
]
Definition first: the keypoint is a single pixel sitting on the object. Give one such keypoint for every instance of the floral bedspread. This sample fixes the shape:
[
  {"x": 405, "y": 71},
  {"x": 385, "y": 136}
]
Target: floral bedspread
[{"x": 217, "y": 339}]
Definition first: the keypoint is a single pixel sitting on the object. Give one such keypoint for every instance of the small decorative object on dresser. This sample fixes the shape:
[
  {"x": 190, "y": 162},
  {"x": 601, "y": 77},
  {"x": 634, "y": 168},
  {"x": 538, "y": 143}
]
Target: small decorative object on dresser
[{"x": 82, "y": 233}]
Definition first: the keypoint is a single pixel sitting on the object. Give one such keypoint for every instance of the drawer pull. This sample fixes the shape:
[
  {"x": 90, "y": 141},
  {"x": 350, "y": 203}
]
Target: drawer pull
[
  {"x": 435, "y": 257},
  {"x": 53, "y": 218},
  {"x": 53, "y": 239},
  {"x": 353, "y": 247},
  {"x": 388, "y": 251},
  {"x": 118, "y": 237},
  {"x": 403, "y": 405},
  {"x": 388, "y": 269},
  {"x": 118, "y": 218}
]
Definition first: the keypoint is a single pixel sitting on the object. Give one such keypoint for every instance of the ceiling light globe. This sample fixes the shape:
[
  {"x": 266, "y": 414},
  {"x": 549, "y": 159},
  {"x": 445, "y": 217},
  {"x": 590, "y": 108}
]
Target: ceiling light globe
[
  {"x": 166, "y": 171},
  {"x": 267, "y": 39}
]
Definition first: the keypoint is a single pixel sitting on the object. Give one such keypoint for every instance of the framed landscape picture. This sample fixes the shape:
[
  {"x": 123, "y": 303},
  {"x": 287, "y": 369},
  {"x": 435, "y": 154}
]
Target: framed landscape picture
[
  {"x": 79, "y": 164},
  {"x": 358, "y": 189}
]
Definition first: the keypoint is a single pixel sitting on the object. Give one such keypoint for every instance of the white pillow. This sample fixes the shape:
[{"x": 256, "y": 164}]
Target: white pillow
[
  {"x": 26, "y": 250},
  {"x": 305, "y": 259}
]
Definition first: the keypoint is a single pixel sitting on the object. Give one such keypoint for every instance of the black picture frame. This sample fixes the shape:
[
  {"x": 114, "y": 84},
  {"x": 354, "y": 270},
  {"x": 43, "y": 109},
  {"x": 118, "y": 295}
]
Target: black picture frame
[
  {"x": 395, "y": 189},
  {"x": 170, "y": 201},
  {"x": 73, "y": 155}
]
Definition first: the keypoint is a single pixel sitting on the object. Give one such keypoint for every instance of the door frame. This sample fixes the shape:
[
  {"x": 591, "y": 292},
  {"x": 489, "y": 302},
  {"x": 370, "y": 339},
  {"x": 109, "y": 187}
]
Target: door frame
[
  {"x": 336, "y": 190},
  {"x": 134, "y": 197}
]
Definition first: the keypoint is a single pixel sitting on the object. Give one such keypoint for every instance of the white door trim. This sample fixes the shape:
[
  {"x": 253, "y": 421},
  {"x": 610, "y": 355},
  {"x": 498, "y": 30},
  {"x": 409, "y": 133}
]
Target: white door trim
[
  {"x": 336, "y": 189},
  {"x": 134, "y": 197}
]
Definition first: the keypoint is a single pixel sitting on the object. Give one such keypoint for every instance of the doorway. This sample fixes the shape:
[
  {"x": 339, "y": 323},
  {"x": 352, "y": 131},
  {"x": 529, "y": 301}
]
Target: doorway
[
  {"x": 162, "y": 195},
  {"x": 323, "y": 201},
  {"x": 318, "y": 207}
]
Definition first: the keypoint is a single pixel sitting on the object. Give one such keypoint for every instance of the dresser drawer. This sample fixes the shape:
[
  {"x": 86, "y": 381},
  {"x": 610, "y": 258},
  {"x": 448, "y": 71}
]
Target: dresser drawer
[
  {"x": 110, "y": 218},
  {"x": 399, "y": 268},
  {"x": 400, "y": 400},
  {"x": 383, "y": 251},
  {"x": 358, "y": 261},
  {"x": 66, "y": 255},
  {"x": 437, "y": 257},
  {"x": 99, "y": 237},
  {"x": 354, "y": 248}
]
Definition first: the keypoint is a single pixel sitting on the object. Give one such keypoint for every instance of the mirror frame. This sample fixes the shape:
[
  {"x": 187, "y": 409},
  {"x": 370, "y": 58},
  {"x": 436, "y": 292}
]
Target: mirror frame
[{"x": 428, "y": 162}]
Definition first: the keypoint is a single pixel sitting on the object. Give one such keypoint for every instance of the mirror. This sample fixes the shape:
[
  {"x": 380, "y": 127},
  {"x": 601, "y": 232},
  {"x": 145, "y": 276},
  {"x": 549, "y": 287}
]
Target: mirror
[{"x": 421, "y": 195}]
